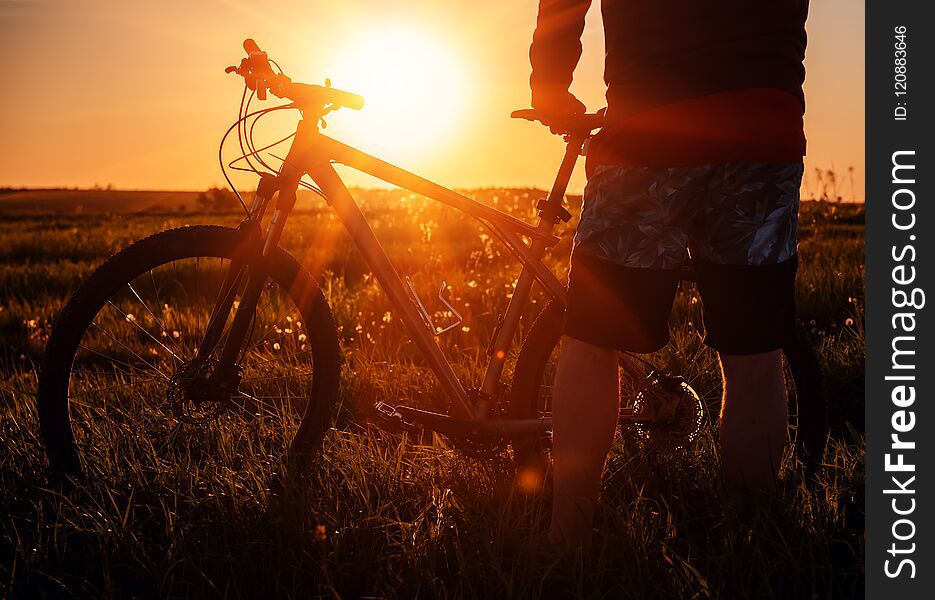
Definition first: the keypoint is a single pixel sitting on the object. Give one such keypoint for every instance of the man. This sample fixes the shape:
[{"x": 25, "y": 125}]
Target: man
[{"x": 701, "y": 156}]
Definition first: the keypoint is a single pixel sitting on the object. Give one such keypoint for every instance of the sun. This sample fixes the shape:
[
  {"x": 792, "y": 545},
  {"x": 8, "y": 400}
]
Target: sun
[{"x": 413, "y": 87}]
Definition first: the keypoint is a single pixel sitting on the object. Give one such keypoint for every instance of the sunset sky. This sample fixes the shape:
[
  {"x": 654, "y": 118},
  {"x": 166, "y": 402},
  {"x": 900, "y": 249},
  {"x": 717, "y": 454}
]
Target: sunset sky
[{"x": 134, "y": 94}]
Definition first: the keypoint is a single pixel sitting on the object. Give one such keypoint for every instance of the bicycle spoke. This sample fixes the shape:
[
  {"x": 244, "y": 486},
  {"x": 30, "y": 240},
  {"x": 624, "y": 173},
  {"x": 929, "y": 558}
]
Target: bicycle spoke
[
  {"x": 278, "y": 377},
  {"x": 274, "y": 397},
  {"x": 268, "y": 329},
  {"x": 280, "y": 358},
  {"x": 113, "y": 387},
  {"x": 109, "y": 359},
  {"x": 158, "y": 321},
  {"x": 143, "y": 329},
  {"x": 128, "y": 349}
]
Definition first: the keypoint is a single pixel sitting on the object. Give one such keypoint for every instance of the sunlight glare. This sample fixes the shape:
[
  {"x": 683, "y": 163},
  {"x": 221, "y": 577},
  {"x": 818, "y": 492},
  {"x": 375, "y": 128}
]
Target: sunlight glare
[{"x": 414, "y": 93}]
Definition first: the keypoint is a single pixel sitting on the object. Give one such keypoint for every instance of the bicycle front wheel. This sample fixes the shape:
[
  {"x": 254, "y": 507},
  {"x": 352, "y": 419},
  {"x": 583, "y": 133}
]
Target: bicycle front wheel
[{"x": 116, "y": 379}]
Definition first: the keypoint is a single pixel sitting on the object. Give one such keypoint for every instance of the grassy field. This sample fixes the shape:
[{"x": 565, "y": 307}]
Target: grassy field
[{"x": 194, "y": 512}]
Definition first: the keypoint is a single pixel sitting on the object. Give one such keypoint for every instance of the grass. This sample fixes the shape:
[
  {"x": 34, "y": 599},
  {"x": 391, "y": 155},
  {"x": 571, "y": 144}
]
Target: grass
[{"x": 196, "y": 513}]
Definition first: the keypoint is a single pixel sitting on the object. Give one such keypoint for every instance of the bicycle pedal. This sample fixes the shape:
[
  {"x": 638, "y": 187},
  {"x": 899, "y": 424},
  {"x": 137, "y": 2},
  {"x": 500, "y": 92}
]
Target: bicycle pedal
[{"x": 389, "y": 414}]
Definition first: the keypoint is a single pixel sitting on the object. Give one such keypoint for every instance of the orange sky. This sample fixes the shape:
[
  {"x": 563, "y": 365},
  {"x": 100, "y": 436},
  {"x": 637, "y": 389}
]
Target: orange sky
[{"x": 133, "y": 94}]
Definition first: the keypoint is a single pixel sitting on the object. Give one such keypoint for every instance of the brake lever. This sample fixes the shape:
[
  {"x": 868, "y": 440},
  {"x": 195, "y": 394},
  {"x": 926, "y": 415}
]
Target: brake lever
[{"x": 253, "y": 77}]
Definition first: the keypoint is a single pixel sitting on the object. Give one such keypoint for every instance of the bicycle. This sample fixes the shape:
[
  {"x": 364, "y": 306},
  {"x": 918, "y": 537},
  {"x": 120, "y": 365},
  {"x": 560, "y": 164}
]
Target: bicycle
[{"x": 113, "y": 336}]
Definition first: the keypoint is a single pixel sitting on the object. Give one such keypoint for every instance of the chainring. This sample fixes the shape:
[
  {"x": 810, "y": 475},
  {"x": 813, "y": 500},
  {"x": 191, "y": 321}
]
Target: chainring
[
  {"x": 482, "y": 448},
  {"x": 676, "y": 406}
]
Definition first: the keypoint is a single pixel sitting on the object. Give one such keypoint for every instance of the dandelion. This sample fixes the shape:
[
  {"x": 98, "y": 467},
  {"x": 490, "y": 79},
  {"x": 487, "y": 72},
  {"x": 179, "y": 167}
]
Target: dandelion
[
  {"x": 465, "y": 329},
  {"x": 276, "y": 346},
  {"x": 849, "y": 322},
  {"x": 176, "y": 334},
  {"x": 131, "y": 318},
  {"x": 302, "y": 337}
]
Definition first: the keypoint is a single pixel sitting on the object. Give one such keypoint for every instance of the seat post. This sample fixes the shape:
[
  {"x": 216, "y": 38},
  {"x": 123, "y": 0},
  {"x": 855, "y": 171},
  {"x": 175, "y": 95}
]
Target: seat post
[{"x": 551, "y": 210}]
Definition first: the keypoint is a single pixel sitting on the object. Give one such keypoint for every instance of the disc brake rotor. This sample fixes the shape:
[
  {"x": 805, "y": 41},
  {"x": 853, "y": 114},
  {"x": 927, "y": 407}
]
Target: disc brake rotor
[{"x": 188, "y": 396}]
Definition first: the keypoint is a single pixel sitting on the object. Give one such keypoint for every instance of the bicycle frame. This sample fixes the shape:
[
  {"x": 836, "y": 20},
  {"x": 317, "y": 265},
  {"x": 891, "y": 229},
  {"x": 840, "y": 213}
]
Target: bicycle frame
[{"x": 313, "y": 153}]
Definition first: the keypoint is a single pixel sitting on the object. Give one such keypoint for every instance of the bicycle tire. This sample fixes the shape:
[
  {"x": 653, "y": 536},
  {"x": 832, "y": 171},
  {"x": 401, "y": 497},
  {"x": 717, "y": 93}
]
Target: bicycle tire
[{"x": 86, "y": 308}]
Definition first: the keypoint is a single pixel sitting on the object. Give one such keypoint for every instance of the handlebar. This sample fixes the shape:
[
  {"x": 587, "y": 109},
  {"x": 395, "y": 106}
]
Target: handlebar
[
  {"x": 259, "y": 76},
  {"x": 576, "y": 125}
]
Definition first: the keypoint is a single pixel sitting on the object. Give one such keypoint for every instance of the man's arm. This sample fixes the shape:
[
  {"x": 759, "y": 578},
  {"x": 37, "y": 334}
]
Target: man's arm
[{"x": 554, "y": 54}]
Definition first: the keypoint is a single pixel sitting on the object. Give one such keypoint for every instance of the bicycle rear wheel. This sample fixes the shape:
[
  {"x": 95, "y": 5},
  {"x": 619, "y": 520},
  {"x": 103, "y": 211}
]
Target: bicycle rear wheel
[
  {"x": 123, "y": 356},
  {"x": 535, "y": 369}
]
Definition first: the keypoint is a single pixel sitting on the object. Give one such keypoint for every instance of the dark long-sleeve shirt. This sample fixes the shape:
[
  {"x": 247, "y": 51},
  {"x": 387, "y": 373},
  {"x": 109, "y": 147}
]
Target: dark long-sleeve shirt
[
  {"x": 662, "y": 51},
  {"x": 680, "y": 73}
]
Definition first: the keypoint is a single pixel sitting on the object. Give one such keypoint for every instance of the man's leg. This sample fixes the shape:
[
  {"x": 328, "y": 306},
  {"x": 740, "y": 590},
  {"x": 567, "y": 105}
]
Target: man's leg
[
  {"x": 752, "y": 429},
  {"x": 585, "y": 407}
]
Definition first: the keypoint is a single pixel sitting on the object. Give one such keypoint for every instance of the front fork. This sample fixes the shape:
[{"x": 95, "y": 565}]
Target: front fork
[{"x": 249, "y": 263}]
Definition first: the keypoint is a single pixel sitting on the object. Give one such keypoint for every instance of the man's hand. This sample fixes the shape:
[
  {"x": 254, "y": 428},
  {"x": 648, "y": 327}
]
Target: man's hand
[{"x": 558, "y": 103}]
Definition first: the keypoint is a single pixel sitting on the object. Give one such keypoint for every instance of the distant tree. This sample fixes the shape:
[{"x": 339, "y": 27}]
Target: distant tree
[{"x": 216, "y": 199}]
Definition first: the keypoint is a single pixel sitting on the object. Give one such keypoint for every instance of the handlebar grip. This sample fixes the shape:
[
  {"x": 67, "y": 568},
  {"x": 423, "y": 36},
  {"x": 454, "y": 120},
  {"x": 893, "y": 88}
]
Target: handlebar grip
[
  {"x": 251, "y": 47},
  {"x": 347, "y": 99}
]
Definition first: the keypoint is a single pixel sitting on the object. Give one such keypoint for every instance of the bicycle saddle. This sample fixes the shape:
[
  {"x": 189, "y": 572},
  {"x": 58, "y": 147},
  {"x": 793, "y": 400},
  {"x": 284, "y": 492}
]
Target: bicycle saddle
[{"x": 574, "y": 125}]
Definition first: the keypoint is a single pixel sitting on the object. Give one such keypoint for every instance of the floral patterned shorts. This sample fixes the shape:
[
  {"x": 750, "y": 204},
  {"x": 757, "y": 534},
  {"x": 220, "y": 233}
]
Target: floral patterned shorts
[{"x": 639, "y": 226}]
